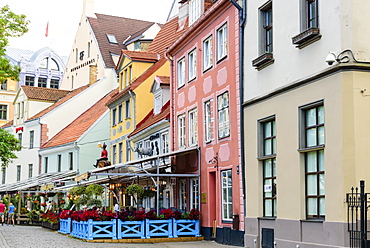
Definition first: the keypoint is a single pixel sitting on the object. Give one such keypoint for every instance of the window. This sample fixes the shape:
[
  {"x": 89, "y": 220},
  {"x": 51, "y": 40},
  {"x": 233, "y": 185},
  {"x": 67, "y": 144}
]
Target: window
[
  {"x": 53, "y": 65},
  {"x": 30, "y": 169},
  {"x": 76, "y": 55},
  {"x": 114, "y": 153},
  {"x": 120, "y": 152},
  {"x": 114, "y": 114},
  {"x": 312, "y": 13},
  {"x": 267, "y": 28},
  {"x": 268, "y": 152},
  {"x": 46, "y": 164},
  {"x": 3, "y": 112},
  {"x": 42, "y": 82},
  {"x": 18, "y": 172},
  {"x": 3, "y": 86},
  {"x": 192, "y": 60},
  {"x": 120, "y": 113},
  {"x": 32, "y": 134},
  {"x": 223, "y": 115},
  {"x": 59, "y": 162},
  {"x": 193, "y": 129},
  {"x": 3, "y": 175},
  {"x": 164, "y": 140},
  {"x": 194, "y": 10},
  {"x": 112, "y": 39},
  {"x": 22, "y": 109},
  {"x": 20, "y": 139},
  {"x": 157, "y": 103},
  {"x": 181, "y": 131},
  {"x": 207, "y": 53},
  {"x": 208, "y": 121},
  {"x": 194, "y": 194},
  {"x": 127, "y": 109},
  {"x": 181, "y": 73},
  {"x": 227, "y": 196},
  {"x": 88, "y": 49},
  {"x": 222, "y": 42},
  {"x": 54, "y": 83},
  {"x": 313, "y": 149},
  {"x": 70, "y": 160},
  {"x": 182, "y": 194},
  {"x": 30, "y": 81}
]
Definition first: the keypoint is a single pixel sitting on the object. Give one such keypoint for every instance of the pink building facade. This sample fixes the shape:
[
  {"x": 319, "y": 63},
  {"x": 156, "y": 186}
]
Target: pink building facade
[{"x": 205, "y": 115}]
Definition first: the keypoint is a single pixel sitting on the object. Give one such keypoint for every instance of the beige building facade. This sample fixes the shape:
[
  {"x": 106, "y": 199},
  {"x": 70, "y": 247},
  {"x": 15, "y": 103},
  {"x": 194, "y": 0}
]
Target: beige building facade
[{"x": 305, "y": 120}]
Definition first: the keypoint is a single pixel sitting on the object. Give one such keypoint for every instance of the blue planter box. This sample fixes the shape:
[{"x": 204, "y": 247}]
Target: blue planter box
[
  {"x": 79, "y": 229},
  {"x": 131, "y": 229},
  {"x": 65, "y": 226},
  {"x": 158, "y": 228},
  {"x": 186, "y": 228}
]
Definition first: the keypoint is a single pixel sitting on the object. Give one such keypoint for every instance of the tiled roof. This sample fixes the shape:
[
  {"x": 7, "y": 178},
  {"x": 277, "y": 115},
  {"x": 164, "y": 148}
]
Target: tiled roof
[
  {"x": 8, "y": 124},
  {"x": 44, "y": 94},
  {"x": 118, "y": 95},
  {"x": 148, "y": 73},
  {"x": 139, "y": 55},
  {"x": 81, "y": 124},
  {"x": 120, "y": 27},
  {"x": 165, "y": 37},
  {"x": 151, "y": 119},
  {"x": 165, "y": 80},
  {"x": 69, "y": 95}
]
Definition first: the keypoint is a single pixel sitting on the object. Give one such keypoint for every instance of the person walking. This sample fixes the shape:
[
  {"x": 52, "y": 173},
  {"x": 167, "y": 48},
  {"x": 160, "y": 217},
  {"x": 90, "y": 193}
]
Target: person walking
[
  {"x": 2, "y": 212},
  {"x": 11, "y": 212}
]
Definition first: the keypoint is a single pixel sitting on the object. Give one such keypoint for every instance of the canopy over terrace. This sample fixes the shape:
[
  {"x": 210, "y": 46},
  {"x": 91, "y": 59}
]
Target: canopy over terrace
[{"x": 137, "y": 168}]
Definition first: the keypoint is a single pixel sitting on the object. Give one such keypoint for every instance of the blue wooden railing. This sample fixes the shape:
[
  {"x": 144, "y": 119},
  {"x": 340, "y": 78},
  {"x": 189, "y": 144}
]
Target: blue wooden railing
[
  {"x": 186, "y": 227},
  {"x": 65, "y": 226},
  {"x": 101, "y": 229},
  {"x": 158, "y": 228},
  {"x": 131, "y": 229}
]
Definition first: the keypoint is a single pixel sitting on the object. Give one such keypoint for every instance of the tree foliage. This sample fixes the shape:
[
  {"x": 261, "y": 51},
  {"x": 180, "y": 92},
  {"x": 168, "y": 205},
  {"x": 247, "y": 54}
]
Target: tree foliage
[
  {"x": 11, "y": 25},
  {"x": 8, "y": 145}
]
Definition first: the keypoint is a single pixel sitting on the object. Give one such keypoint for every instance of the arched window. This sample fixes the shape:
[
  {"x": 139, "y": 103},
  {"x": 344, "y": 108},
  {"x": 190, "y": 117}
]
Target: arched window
[{"x": 53, "y": 65}]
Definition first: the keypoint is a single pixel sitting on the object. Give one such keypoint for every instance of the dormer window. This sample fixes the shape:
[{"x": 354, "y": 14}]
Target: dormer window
[
  {"x": 112, "y": 39},
  {"x": 157, "y": 102},
  {"x": 194, "y": 11}
]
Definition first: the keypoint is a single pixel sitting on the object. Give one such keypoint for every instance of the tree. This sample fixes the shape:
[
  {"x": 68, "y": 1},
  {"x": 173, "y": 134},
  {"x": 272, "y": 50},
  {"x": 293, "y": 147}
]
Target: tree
[
  {"x": 8, "y": 145},
  {"x": 11, "y": 25}
]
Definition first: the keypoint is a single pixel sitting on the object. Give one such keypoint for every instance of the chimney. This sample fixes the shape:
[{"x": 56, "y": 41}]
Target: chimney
[
  {"x": 93, "y": 74},
  {"x": 88, "y": 8}
]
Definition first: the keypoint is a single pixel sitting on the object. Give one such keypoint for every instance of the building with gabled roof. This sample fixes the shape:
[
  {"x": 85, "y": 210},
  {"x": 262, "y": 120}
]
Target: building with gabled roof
[{"x": 98, "y": 43}]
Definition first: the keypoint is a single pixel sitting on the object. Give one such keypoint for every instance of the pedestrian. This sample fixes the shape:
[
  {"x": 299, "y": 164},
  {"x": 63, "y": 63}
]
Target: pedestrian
[
  {"x": 2, "y": 212},
  {"x": 11, "y": 211},
  {"x": 116, "y": 208},
  {"x": 49, "y": 206}
]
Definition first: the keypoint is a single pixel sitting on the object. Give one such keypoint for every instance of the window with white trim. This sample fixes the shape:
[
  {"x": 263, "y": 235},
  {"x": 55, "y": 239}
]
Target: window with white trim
[
  {"x": 192, "y": 63},
  {"x": 3, "y": 112},
  {"x": 222, "y": 42},
  {"x": 182, "y": 194},
  {"x": 120, "y": 113},
  {"x": 193, "y": 127},
  {"x": 18, "y": 172},
  {"x": 208, "y": 120},
  {"x": 30, "y": 170},
  {"x": 194, "y": 10},
  {"x": 165, "y": 143},
  {"x": 120, "y": 152},
  {"x": 194, "y": 193},
  {"x": 227, "y": 196},
  {"x": 181, "y": 131},
  {"x": 207, "y": 53},
  {"x": 223, "y": 115},
  {"x": 181, "y": 73},
  {"x": 114, "y": 153},
  {"x": 114, "y": 117},
  {"x": 32, "y": 138},
  {"x": 127, "y": 109},
  {"x": 59, "y": 162}
]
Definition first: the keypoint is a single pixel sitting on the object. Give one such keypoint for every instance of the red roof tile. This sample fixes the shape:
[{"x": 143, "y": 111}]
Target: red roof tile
[
  {"x": 148, "y": 73},
  {"x": 151, "y": 119},
  {"x": 81, "y": 124},
  {"x": 165, "y": 80},
  {"x": 140, "y": 55},
  {"x": 118, "y": 95},
  {"x": 120, "y": 27},
  {"x": 58, "y": 103},
  {"x": 8, "y": 124},
  {"x": 44, "y": 94}
]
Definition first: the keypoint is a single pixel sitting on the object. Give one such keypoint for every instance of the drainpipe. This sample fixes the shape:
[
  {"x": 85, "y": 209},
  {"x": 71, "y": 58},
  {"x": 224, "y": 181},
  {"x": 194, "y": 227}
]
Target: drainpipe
[
  {"x": 172, "y": 101},
  {"x": 242, "y": 22},
  {"x": 77, "y": 157}
]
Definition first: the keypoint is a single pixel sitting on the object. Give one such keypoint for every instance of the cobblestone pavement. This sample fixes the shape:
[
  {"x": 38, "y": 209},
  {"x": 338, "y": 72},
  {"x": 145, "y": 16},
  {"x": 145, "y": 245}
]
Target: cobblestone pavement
[{"x": 32, "y": 236}]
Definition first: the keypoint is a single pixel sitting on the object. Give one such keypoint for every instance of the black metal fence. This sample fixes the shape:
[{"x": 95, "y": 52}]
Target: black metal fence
[{"x": 357, "y": 203}]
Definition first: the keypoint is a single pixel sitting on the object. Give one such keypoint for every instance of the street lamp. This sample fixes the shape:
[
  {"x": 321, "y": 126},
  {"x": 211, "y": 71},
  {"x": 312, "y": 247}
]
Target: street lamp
[{"x": 343, "y": 57}]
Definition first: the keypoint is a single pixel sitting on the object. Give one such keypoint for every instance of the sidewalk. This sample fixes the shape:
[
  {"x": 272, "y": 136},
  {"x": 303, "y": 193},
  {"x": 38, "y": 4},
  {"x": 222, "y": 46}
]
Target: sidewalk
[{"x": 32, "y": 236}]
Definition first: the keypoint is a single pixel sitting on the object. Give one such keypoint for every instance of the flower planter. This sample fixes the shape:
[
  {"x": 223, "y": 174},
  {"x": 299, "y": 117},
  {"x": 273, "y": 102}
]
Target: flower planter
[
  {"x": 186, "y": 228},
  {"x": 79, "y": 229},
  {"x": 130, "y": 229},
  {"x": 65, "y": 225},
  {"x": 158, "y": 228},
  {"x": 52, "y": 226},
  {"x": 94, "y": 229}
]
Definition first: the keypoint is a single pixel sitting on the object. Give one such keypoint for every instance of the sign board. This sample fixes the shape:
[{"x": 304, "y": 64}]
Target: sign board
[
  {"x": 82, "y": 177},
  {"x": 203, "y": 197},
  {"x": 47, "y": 187}
]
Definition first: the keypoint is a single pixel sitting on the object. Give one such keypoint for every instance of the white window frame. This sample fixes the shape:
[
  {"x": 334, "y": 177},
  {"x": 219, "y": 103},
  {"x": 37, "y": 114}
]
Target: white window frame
[
  {"x": 207, "y": 53},
  {"x": 181, "y": 73},
  {"x": 194, "y": 193},
  {"x": 165, "y": 143},
  {"x": 181, "y": 131},
  {"x": 227, "y": 199},
  {"x": 194, "y": 10},
  {"x": 222, "y": 42},
  {"x": 223, "y": 106},
  {"x": 192, "y": 64},
  {"x": 157, "y": 103},
  {"x": 127, "y": 109},
  {"x": 208, "y": 120},
  {"x": 193, "y": 127},
  {"x": 182, "y": 194}
]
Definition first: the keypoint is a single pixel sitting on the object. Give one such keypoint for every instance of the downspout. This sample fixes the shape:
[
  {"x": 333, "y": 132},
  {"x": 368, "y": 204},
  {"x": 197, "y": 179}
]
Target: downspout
[
  {"x": 77, "y": 157},
  {"x": 172, "y": 101},
  {"x": 242, "y": 22}
]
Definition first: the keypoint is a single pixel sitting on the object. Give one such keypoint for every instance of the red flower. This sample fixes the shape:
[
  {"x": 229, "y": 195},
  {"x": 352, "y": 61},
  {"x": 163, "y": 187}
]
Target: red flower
[
  {"x": 194, "y": 214},
  {"x": 167, "y": 213}
]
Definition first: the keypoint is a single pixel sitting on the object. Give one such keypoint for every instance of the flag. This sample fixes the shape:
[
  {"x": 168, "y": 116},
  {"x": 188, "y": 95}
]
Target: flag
[{"x": 47, "y": 30}]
